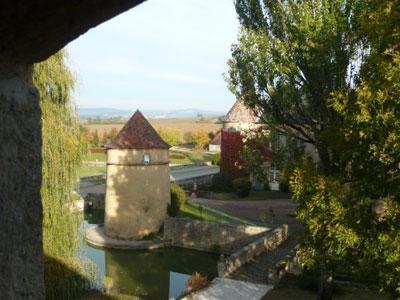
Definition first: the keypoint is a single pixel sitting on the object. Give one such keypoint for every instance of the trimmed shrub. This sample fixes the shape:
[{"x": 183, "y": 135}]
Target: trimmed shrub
[
  {"x": 222, "y": 182},
  {"x": 178, "y": 198},
  {"x": 216, "y": 159},
  {"x": 242, "y": 187}
]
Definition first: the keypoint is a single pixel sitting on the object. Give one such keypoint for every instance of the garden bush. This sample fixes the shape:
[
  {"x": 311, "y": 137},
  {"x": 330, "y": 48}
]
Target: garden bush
[
  {"x": 178, "y": 198},
  {"x": 222, "y": 182},
  {"x": 242, "y": 187},
  {"x": 216, "y": 159}
]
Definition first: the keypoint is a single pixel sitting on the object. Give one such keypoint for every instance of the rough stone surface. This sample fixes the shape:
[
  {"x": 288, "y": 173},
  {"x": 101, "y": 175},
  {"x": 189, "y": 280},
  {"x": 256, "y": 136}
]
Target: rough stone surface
[
  {"x": 21, "y": 275},
  {"x": 137, "y": 194},
  {"x": 266, "y": 243},
  {"x": 209, "y": 236},
  {"x": 265, "y": 268}
]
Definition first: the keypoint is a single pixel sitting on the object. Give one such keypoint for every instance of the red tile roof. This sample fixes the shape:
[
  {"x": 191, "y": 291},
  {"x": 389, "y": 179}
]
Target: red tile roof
[
  {"x": 138, "y": 134},
  {"x": 217, "y": 139},
  {"x": 240, "y": 112}
]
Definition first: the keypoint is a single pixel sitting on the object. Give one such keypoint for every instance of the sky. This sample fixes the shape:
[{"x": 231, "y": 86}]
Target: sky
[{"x": 162, "y": 54}]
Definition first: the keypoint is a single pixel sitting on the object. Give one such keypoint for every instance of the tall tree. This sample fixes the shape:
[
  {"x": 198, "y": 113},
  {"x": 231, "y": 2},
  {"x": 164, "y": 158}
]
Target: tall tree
[
  {"x": 371, "y": 143},
  {"x": 290, "y": 56},
  {"x": 62, "y": 149}
]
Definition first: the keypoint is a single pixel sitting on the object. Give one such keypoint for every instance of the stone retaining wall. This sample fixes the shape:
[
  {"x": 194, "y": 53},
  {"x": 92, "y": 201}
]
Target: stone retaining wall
[
  {"x": 268, "y": 242},
  {"x": 289, "y": 264},
  {"x": 209, "y": 236}
]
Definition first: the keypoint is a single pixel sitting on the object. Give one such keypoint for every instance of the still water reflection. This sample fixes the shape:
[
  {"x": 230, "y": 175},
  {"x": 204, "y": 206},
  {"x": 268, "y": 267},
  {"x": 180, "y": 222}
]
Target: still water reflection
[{"x": 150, "y": 274}]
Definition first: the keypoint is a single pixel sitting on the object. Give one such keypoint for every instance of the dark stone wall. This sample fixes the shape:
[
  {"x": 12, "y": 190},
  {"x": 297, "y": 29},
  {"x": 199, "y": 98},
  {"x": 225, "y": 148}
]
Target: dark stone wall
[
  {"x": 32, "y": 30},
  {"x": 21, "y": 275}
]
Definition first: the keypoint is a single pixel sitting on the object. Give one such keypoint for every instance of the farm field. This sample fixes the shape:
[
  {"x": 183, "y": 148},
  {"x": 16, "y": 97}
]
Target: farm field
[{"x": 181, "y": 124}]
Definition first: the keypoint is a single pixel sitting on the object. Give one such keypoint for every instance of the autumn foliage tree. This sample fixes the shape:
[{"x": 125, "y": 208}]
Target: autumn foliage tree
[{"x": 201, "y": 138}]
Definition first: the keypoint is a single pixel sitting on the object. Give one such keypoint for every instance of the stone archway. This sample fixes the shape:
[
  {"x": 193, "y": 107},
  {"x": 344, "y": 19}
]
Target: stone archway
[{"x": 31, "y": 31}]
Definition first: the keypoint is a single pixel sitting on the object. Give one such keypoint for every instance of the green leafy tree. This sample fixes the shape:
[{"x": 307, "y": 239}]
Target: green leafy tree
[
  {"x": 62, "y": 151},
  {"x": 188, "y": 137},
  {"x": 370, "y": 144},
  {"x": 95, "y": 139},
  {"x": 170, "y": 136},
  {"x": 109, "y": 136},
  {"x": 290, "y": 57},
  {"x": 113, "y": 134},
  {"x": 295, "y": 62}
]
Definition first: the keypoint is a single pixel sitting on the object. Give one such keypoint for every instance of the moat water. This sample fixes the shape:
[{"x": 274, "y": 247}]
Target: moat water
[{"x": 151, "y": 274}]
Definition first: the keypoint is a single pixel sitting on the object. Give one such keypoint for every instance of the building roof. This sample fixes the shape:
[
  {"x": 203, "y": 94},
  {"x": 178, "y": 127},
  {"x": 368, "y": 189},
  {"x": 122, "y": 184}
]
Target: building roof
[
  {"x": 216, "y": 140},
  {"x": 138, "y": 134},
  {"x": 240, "y": 112}
]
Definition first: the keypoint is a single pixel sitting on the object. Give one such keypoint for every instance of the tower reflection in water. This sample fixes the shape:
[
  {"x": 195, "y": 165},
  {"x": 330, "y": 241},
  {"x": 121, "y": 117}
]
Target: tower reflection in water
[{"x": 151, "y": 274}]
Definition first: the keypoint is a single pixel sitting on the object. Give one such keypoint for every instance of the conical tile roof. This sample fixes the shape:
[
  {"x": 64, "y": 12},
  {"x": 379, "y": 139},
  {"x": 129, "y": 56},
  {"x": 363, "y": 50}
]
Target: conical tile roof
[
  {"x": 138, "y": 134},
  {"x": 240, "y": 113}
]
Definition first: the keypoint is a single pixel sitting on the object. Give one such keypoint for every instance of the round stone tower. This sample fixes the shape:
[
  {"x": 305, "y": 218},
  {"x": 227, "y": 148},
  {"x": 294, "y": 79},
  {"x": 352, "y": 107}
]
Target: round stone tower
[{"x": 138, "y": 182}]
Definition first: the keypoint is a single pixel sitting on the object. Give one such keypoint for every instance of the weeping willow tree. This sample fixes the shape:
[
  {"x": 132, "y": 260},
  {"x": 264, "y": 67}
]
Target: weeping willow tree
[{"x": 62, "y": 150}]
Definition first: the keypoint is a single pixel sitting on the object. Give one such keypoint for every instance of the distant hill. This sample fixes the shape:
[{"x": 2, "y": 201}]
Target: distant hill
[{"x": 106, "y": 113}]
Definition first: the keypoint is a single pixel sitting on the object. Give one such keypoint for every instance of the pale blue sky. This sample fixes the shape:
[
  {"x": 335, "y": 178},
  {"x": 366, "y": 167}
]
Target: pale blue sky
[{"x": 163, "y": 54}]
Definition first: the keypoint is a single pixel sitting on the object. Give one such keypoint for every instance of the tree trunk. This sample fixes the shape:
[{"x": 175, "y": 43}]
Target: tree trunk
[
  {"x": 21, "y": 252},
  {"x": 325, "y": 284}
]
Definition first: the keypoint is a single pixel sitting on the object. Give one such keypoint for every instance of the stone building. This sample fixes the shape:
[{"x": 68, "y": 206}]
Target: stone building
[
  {"x": 138, "y": 182},
  {"x": 240, "y": 117},
  {"x": 215, "y": 144}
]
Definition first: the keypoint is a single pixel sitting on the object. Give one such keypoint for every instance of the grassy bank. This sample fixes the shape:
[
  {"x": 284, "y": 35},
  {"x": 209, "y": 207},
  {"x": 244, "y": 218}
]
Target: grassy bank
[{"x": 203, "y": 213}]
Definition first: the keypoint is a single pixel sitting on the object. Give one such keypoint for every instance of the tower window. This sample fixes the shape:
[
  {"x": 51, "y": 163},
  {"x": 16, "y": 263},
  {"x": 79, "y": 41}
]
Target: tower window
[{"x": 146, "y": 158}]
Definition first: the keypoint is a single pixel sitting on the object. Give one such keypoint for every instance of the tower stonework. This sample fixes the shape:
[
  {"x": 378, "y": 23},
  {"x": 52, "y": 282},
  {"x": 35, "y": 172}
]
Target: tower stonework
[{"x": 138, "y": 181}]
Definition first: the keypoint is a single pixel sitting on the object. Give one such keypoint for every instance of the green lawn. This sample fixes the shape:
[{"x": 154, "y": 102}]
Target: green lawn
[
  {"x": 90, "y": 171},
  {"x": 189, "y": 156},
  {"x": 95, "y": 157},
  {"x": 203, "y": 213}
]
